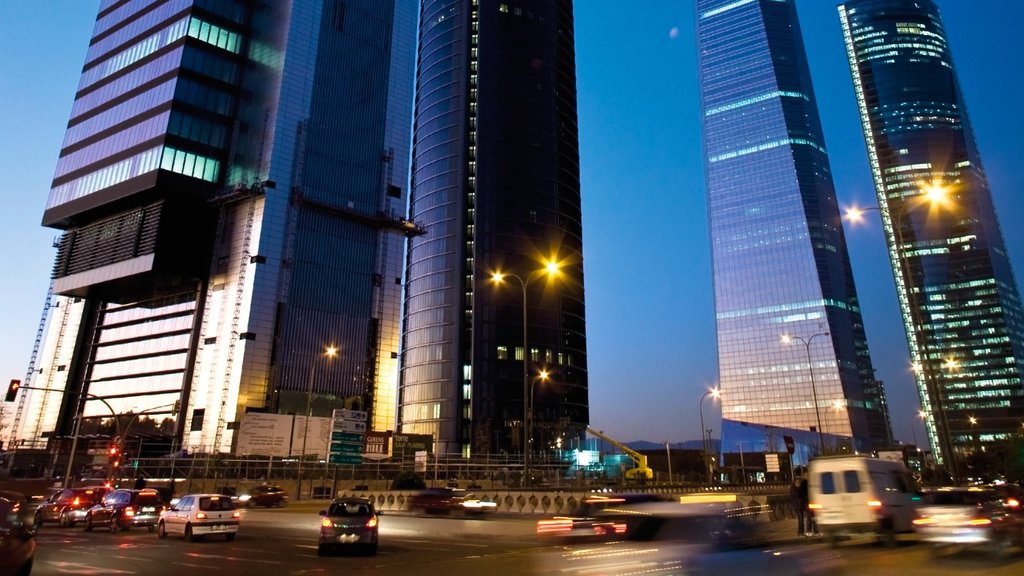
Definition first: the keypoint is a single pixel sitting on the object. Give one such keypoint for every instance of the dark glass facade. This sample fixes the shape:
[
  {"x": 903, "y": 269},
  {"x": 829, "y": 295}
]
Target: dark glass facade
[
  {"x": 960, "y": 303},
  {"x": 232, "y": 187},
  {"x": 496, "y": 185},
  {"x": 779, "y": 256}
]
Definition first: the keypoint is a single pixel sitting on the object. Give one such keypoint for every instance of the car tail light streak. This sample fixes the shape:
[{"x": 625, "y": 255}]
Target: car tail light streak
[
  {"x": 874, "y": 503},
  {"x": 556, "y": 525},
  {"x": 924, "y": 521},
  {"x": 979, "y": 522},
  {"x": 814, "y": 506},
  {"x": 372, "y": 522}
]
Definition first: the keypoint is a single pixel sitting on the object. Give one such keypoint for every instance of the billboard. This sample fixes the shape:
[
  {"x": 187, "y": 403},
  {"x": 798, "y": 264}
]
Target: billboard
[{"x": 281, "y": 435}]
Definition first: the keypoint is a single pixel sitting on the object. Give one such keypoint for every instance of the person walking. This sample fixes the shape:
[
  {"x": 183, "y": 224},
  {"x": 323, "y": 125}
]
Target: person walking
[
  {"x": 799, "y": 507},
  {"x": 810, "y": 527}
]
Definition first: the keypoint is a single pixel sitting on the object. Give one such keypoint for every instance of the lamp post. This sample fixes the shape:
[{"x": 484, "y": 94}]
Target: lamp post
[
  {"x": 814, "y": 390},
  {"x": 551, "y": 268},
  {"x": 329, "y": 352},
  {"x": 931, "y": 194},
  {"x": 543, "y": 376},
  {"x": 714, "y": 393}
]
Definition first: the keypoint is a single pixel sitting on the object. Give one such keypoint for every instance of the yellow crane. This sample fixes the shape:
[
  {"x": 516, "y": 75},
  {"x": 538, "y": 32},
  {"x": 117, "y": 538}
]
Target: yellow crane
[{"x": 641, "y": 471}]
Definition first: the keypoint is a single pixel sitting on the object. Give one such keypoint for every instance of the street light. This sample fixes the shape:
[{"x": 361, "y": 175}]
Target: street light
[
  {"x": 932, "y": 194},
  {"x": 329, "y": 352},
  {"x": 550, "y": 268},
  {"x": 714, "y": 393},
  {"x": 786, "y": 339}
]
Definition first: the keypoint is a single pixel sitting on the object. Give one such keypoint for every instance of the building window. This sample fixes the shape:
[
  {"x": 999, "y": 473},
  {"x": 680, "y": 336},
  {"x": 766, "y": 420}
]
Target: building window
[{"x": 502, "y": 352}]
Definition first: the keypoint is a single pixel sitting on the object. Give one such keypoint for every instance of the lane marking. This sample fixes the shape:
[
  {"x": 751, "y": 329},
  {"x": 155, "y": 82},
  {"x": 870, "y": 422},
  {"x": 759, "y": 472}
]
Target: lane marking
[{"x": 230, "y": 558}]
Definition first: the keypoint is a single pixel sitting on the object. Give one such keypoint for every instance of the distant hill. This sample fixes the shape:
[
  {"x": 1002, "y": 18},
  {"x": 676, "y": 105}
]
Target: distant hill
[{"x": 645, "y": 445}]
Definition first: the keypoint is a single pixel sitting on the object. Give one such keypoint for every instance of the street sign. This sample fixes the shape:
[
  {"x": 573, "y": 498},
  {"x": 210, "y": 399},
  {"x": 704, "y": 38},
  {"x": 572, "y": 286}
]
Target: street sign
[
  {"x": 345, "y": 459},
  {"x": 771, "y": 463},
  {"x": 349, "y": 426},
  {"x": 339, "y": 447},
  {"x": 790, "y": 446},
  {"x": 337, "y": 436},
  {"x": 356, "y": 415}
]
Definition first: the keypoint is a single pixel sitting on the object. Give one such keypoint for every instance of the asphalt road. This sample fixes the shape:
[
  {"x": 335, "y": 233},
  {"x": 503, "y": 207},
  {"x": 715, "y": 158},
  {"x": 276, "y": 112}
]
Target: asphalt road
[{"x": 283, "y": 541}]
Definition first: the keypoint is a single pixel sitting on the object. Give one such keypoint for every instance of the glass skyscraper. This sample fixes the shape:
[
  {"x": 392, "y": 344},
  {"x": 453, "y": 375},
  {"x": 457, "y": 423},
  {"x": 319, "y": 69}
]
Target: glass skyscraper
[
  {"x": 960, "y": 303},
  {"x": 496, "y": 186},
  {"x": 231, "y": 191},
  {"x": 792, "y": 352}
]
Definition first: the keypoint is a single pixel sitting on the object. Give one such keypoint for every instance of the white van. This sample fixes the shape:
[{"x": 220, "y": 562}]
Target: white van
[{"x": 861, "y": 494}]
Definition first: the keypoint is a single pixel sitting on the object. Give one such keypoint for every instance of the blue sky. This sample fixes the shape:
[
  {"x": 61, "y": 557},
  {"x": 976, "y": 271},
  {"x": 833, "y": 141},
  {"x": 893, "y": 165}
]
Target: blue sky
[{"x": 650, "y": 311}]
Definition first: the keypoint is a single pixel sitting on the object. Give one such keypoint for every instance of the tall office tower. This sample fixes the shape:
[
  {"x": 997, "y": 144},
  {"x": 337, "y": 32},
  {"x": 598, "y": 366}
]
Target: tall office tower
[
  {"x": 231, "y": 191},
  {"x": 792, "y": 353},
  {"x": 961, "y": 308},
  {"x": 496, "y": 185}
]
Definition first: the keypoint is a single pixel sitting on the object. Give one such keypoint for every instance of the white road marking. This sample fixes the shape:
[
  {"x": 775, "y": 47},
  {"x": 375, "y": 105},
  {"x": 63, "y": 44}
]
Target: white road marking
[{"x": 230, "y": 558}]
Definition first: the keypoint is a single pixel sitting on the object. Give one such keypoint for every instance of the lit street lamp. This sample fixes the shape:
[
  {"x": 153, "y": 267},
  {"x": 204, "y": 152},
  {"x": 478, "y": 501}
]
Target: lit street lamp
[
  {"x": 705, "y": 441},
  {"x": 786, "y": 339},
  {"x": 329, "y": 352},
  {"x": 551, "y": 268}
]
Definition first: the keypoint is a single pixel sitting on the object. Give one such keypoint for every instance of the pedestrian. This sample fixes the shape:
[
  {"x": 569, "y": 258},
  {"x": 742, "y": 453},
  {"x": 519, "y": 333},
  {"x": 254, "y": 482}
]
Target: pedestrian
[
  {"x": 140, "y": 482},
  {"x": 798, "y": 506},
  {"x": 810, "y": 528}
]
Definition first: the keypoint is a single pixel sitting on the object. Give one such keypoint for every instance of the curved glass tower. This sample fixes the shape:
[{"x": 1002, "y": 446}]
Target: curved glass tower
[
  {"x": 496, "y": 186},
  {"x": 792, "y": 352},
  {"x": 961, "y": 307}
]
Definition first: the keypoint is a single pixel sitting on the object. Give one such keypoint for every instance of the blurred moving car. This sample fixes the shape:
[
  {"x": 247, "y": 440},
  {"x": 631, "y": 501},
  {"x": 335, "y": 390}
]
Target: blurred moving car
[
  {"x": 125, "y": 509},
  {"x": 437, "y": 500},
  {"x": 17, "y": 535},
  {"x": 198, "y": 515},
  {"x": 990, "y": 517},
  {"x": 68, "y": 506},
  {"x": 474, "y": 505},
  {"x": 701, "y": 538},
  {"x": 264, "y": 495},
  {"x": 348, "y": 522},
  {"x": 591, "y": 521}
]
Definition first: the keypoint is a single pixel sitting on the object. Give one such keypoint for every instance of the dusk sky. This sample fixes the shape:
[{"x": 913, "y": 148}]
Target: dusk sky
[{"x": 647, "y": 257}]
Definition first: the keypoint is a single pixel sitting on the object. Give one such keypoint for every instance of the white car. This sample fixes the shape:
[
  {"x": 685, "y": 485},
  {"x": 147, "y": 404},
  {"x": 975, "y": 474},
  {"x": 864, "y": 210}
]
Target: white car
[{"x": 198, "y": 515}]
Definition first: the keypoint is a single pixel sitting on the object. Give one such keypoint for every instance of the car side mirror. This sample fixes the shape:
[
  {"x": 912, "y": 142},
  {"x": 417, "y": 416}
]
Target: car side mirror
[{"x": 323, "y": 512}]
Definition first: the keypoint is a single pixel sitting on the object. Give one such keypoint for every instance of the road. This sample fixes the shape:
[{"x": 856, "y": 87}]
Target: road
[{"x": 283, "y": 541}]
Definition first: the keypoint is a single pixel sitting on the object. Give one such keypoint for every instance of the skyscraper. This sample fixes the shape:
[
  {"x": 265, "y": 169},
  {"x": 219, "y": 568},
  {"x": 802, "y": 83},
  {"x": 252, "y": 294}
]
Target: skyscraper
[
  {"x": 231, "y": 191},
  {"x": 792, "y": 352},
  {"x": 496, "y": 185},
  {"x": 960, "y": 303}
]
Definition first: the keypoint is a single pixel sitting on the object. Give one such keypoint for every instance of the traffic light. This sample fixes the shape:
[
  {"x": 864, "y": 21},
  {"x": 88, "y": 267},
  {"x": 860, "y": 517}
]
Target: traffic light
[
  {"x": 114, "y": 456},
  {"x": 12, "y": 390}
]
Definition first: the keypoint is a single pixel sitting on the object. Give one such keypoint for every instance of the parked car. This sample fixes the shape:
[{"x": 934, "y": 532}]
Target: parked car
[
  {"x": 264, "y": 496},
  {"x": 125, "y": 509},
  {"x": 199, "y": 515},
  {"x": 991, "y": 517},
  {"x": 68, "y": 506},
  {"x": 348, "y": 522},
  {"x": 17, "y": 535},
  {"x": 861, "y": 494}
]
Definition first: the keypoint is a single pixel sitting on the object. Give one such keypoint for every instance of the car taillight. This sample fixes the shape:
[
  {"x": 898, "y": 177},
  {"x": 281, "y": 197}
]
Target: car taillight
[
  {"x": 874, "y": 503},
  {"x": 1012, "y": 503},
  {"x": 923, "y": 521},
  {"x": 236, "y": 514},
  {"x": 372, "y": 522},
  {"x": 556, "y": 525},
  {"x": 75, "y": 502},
  {"x": 129, "y": 511},
  {"x": 979, "y": 522},
  {"x": 200, "y": 516},
  {"x": 813, "y": 506},
  {"x": 327, "y": 523}
]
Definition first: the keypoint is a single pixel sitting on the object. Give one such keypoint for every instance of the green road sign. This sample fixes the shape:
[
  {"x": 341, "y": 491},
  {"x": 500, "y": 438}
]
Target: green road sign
[
  {"x": 342, "y": 448},
  {"x": 346, "y": 437},
  {"x": 345, "y": 459}
]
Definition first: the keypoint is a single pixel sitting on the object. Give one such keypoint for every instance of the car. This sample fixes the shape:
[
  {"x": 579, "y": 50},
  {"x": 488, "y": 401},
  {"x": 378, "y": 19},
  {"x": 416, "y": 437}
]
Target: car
[
  {"x": 711, "y": 538},
  {"x": 17, "y": 534},
  {"x": 125, "y": 509},
  {"x": 596, "y": 518},
  {"x": 264, "y": 496},
  {"x": 979, "y": 516},
  {"x": 199, "y": 515},
  {"x": 348, "y": 522},
  {"x": 437, "y": 500},
  {"x": 68, "y": 506},
  {"x": 474, "y": 505}
]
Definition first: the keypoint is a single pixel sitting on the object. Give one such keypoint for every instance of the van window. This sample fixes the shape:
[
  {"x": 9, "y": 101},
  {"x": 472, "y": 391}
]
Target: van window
[
  {"x": 828, "y": 483},
  {"x": 851, "y": 480}
]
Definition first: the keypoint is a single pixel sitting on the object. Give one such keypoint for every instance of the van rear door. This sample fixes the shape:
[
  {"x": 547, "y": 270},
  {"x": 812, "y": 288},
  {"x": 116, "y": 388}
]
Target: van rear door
[{"x": 839, "y": 497}]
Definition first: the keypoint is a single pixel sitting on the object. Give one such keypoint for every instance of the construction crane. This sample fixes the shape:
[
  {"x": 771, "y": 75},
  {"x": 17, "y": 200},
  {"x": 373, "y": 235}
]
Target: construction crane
[{"x": 641, "y": 471}]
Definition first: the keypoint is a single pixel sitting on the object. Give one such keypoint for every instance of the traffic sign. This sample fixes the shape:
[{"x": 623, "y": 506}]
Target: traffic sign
[
  {"x": 349, "y": 426},
  {"x": 338, "y": 436},
  {"x": 357, "y": 415},
  {"x": 340, "y": 447},
  {"x": 345, "y": 459}
]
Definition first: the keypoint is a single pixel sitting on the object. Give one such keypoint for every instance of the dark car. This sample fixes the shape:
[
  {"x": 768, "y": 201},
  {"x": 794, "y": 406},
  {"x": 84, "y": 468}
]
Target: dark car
[
  {"x": 348, "y": 522},
  {"x": 17, "y": 542},
  {"x": 125, "y": 509},
  {"x": 264, "y": 496},
  {"x": 68, "y": 506},
  {"x": 596, "y": 518},
  {"x": 437, "y": 500},
  {"x": 985, "y": 516}
]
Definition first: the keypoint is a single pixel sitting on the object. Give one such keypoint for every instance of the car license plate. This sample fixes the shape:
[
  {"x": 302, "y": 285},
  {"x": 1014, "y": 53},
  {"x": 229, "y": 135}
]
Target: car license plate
[
  {"x": 149, "y": 509},
  {"x": 348, "y": 538},
  {"x": 218, "y": 527}
]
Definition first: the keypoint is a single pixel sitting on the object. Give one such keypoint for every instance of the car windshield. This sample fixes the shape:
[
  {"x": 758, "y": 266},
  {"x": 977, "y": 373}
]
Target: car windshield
[
  {"x": 961, "y": 498},
  {"x": 349, "y": 509},
  {"x": 215, "y": 503}
]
